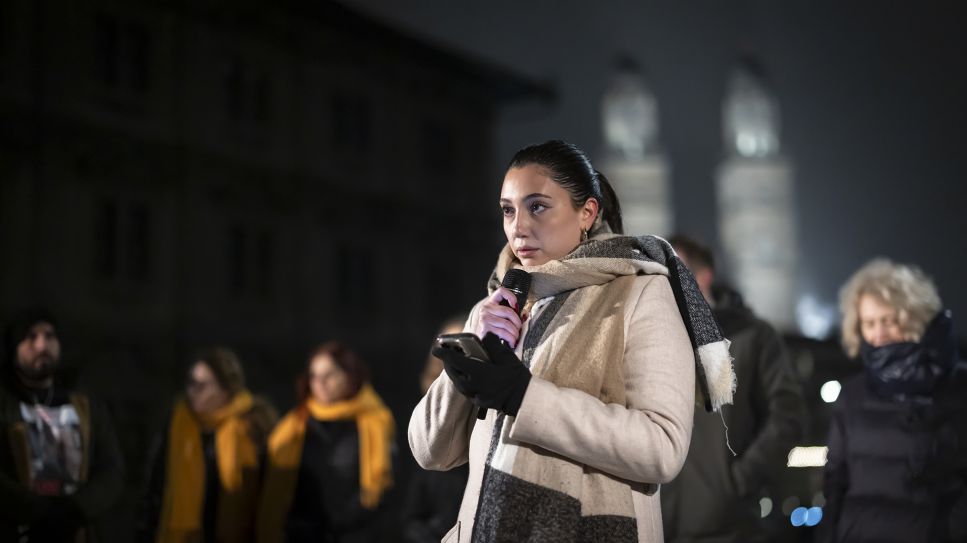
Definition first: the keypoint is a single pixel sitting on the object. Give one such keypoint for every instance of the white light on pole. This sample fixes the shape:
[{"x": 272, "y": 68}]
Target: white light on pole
[{"x": 830, "y": 391}]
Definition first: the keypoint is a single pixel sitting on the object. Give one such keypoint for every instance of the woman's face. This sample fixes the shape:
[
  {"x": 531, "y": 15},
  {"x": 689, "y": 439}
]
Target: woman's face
[
  {"x": 205, "y": 394},
  {"x": 540, "y": 222},
  {"x": 879, "y": 322},
  {"x": 328, "y": 383}
]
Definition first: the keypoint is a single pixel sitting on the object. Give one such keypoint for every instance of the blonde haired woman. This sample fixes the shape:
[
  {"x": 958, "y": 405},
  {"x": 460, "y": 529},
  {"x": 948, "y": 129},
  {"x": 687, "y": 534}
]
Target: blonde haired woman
[
  {"x": 897, "y": 444},
  {"x": 897, "y": 301}
]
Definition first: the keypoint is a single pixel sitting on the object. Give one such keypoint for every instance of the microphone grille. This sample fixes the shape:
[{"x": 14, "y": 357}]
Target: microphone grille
[{"x": 517, "y": 281}]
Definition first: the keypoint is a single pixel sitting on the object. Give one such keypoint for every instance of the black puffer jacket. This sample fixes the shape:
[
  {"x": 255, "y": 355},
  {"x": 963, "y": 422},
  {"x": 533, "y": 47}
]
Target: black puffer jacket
[{"x": 897, "y": 464}]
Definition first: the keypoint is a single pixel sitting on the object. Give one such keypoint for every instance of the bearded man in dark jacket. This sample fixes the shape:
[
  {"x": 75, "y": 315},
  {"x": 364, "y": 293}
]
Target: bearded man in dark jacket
[
  {"x": 60, "y": 465},
  {"x": 714, "y": 498}
]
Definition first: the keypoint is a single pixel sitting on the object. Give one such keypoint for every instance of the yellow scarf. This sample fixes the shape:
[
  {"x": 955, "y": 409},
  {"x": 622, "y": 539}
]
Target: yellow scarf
[
  {"x": 374, "y": 422},
  {"x": 237, "y": 459}
]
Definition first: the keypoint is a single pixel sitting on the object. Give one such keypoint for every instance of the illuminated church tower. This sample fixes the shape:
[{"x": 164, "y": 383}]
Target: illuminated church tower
[
  {"x": 755, "y": 199},
  {"x": 632, "y": 159}
]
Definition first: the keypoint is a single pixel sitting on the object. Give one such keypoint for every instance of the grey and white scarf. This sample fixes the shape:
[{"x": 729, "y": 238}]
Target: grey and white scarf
[
  {"x": 577, "y": 341},
  {"x": 606, "y": 256}
]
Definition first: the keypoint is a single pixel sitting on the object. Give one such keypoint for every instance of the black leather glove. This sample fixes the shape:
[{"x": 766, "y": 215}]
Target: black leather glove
[{"x": 499, "y": 384}]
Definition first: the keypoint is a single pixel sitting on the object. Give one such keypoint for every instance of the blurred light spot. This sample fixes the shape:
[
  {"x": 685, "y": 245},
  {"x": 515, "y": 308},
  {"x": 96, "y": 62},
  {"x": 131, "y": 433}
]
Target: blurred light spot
[
  {"x": 746, "y": 144},
  {"x": 830, "y": 391},
  {"x": 807, "y": 457},
  {"x": 819, "y": 500},
  {"x": 814, "y": 515},
  {"x": 789, "y": 504},
  {"x": 798, "y": 516},
  {"x": 765, "y": 507},
  {"x": 815, "y": 318}
]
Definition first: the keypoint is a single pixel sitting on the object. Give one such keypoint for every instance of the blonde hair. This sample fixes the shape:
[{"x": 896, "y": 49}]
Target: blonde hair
[{"x": 904, "y": 287}]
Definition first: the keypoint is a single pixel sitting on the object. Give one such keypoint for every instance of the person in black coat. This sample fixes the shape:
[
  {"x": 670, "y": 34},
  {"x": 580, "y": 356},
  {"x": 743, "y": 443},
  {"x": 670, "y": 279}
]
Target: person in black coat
[
  {"x": 329, "y": 465},
  {"x": 715, "y": 498},
  {"x": 206, "y": 465},
  {"x": 897, "y": 461}
]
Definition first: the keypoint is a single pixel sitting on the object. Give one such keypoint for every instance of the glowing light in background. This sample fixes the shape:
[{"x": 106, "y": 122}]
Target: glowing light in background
[
  {"x": 815, "y": 318},
  {"x": 765, "y": 507},
  {"x": 802, "y": 516},
  {"x": 807, "y": 457},
  {"x": 830, "y": 391},
  {"x": 814, "y": 515}
]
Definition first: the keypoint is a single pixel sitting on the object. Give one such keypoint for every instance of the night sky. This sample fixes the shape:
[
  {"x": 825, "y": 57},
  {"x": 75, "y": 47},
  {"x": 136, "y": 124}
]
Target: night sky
[{"x": 871, "y": 96}]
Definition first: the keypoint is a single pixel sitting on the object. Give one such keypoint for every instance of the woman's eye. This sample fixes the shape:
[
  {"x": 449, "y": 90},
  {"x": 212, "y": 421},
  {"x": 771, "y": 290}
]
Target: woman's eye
[
  {"x": 537, "y": 207},
  {"x": 507, "y": 210}
]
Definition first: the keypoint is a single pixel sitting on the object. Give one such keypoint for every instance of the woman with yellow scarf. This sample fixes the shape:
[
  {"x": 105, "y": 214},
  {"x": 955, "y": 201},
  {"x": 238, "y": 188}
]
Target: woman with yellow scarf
[
  {"x": 204, "y": 482},
  {"x": 329, "y": 459}
]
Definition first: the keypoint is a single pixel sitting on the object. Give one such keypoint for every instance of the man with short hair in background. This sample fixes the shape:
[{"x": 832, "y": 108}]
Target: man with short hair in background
[{"x": 715, "y": 498}]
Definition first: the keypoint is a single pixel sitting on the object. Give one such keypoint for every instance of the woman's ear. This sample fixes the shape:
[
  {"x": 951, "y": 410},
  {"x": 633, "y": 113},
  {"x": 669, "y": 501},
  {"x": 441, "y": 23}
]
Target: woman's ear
[{"x": 589, "y": 212}]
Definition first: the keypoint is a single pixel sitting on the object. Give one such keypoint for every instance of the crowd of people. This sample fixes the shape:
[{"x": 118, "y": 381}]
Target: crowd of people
[{"x": 631, "y": 396}]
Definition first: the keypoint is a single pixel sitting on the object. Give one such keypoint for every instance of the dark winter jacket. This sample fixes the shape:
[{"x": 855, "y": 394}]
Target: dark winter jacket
[
  {"x": 260, "y": 417},
  {"x": 897, "y": 462},
  {"x": 326, "y": 506},
  {"x": 432, "y": 503},
  {"x": 714, "y": 497},
  {"x": 27, "y": 517}
]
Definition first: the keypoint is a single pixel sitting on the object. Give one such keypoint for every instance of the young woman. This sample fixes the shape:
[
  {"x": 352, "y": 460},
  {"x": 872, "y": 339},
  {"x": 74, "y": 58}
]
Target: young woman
[
  {"x": 204, "y": 483},
  {"x": 329, "y": 459},
  {"x": 590, "y": 396}
]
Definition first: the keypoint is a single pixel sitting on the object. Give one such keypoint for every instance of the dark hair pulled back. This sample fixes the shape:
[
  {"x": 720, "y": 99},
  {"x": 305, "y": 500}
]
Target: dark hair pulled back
[{"x": 569, "y": 166}]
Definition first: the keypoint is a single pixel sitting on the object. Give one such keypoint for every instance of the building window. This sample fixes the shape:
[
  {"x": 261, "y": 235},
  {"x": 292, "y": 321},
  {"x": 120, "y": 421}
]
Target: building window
[
  {"x": 4, "y": 34},
  {"x": 237, "y": 263},
  {"x": 354, "y": 281},
  {"x": 351, "y": 122},
  {"x": 123, "y": 241},
  {"x": 248, "y": 94},
  {"x": 138, "y": 257},
  {"x": 122, "y": 52},
  {"x": 138, "y": 57},
  {"x": 438, "y": 147},
  {"x": 106, "y": 47},
  {"x": 106, "y": 236},
  {"x": 265, "y": 262},
  {"x": 251, "y": 261}
]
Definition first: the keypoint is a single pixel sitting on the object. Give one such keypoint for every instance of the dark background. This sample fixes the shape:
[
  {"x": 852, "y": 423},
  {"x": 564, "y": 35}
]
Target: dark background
[{"x": 871, "y": 97}]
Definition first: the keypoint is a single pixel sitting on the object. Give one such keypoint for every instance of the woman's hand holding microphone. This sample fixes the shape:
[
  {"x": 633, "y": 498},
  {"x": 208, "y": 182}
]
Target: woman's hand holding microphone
[
  {"x": 498, "y": 316},
  {"x": 500, "y": 384}
]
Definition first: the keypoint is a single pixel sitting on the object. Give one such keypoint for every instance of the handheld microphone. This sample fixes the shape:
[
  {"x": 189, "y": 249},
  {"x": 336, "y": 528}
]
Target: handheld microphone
[{"x": 518, "y": 282}]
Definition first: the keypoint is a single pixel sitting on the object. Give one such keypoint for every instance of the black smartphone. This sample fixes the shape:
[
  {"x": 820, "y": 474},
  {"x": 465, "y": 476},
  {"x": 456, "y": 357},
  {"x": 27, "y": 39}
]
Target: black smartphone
[{"x": 465, "y": 342}]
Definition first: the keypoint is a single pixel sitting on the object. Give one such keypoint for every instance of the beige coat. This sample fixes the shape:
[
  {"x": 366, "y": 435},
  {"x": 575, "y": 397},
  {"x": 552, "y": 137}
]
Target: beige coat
[{"x": 643, "y": 442}]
